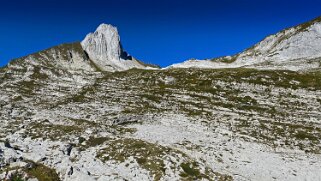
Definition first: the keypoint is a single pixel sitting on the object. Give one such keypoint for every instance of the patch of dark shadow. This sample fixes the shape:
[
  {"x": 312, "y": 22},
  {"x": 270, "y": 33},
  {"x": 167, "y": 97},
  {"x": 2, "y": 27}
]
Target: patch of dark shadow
[
  {"x": 86, "y": 55},
  {"x": 17, "y": 148},
  {"x": 124, "y": 55},
  {"x": 68, "y": 149},
  {"x": 123, "y": 120},
  {"x": 70, "y": 55},
  {"x": 7, "y": 144}
]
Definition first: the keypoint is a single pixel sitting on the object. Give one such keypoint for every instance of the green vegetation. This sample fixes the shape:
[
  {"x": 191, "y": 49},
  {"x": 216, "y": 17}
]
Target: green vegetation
[
  {"x": 148, "y": 64},
  {"x": 45, "y": 130},
  {"x": 189, "y": 170},
  {"x": 204, "y": 90},
  {"x": 151, "y": 157},
  {"x": 16, "y": 176},
  {"x": 302, "y": 135},
  {"x": 292, "y": 135},
  {"x": 38, "y": 75},
  {"x": 36, "y": 170},
  {"x": 42, "y": 172},
  {"x": 95, "y": 141},
  {"x": 306, "y": 25},
  {"x": 225, "y": 59}
]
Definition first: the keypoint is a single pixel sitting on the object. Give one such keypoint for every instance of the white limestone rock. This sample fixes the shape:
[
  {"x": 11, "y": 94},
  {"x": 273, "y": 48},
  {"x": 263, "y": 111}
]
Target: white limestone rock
[
  {"x": 296, "y": 48},
  {"x": 299, "y": 46},
  {"x": 105, "y": 50}
]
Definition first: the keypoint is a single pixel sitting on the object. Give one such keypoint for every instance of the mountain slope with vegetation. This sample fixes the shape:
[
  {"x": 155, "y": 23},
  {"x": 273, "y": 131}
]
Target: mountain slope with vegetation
[{"x": 89, "y": 111}]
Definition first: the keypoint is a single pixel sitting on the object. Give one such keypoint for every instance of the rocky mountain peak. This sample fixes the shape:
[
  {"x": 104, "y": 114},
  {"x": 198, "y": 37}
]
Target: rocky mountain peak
[
  {"x": 105, "y": 50},
  {"x": 103, "y": 45},
  {"x": 103, "y": 28}
]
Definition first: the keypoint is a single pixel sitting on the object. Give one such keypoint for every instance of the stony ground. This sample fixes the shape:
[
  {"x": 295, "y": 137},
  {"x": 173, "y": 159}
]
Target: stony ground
[{"x": 176, "y": 124}]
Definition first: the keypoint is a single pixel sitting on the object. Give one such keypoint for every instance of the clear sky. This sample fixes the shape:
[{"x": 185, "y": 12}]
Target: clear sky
[{"x": 155, "y": 31}]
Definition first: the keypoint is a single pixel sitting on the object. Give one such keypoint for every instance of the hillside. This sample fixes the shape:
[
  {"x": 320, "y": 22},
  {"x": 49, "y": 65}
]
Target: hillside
[
  {"x": 296, "y": 48},
  {"x": 90, "y": 111}
]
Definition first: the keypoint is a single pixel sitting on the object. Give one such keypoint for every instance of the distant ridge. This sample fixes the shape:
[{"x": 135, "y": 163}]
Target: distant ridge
[{"x": 295, "y": 48}]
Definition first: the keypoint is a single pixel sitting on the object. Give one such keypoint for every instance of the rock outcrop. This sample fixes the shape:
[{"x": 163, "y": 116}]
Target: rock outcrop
[
  {"x": 105, "y": 50},
  {"x": 103, "y": 44}
]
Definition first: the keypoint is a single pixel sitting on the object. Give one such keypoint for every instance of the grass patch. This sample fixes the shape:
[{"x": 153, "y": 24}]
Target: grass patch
[
  {"x": 151, "y": 157},
  {"x": 189, "y": 170},
  {"x": 42, "y": 173},
  {"x": 148, "y": 156},
  {"x": 46, "y": 130},
  {"x": 95, "y": 141}
]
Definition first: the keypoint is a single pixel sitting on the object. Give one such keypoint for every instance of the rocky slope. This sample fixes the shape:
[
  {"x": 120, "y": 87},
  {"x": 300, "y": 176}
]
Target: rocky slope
[
  {"x": 66, "y": 56},
  {"x": 67, "y": 114},
  {"x": 296, "y": 48},
  {"x": 228, "y": 124}
]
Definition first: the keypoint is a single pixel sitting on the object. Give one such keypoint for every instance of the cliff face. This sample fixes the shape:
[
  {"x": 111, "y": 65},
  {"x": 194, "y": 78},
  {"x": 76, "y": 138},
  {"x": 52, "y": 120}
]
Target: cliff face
[
  {"x": 103, "y": 47},
  {"x": 103, "y": 44},
  {"x": 105, "y": 50}
]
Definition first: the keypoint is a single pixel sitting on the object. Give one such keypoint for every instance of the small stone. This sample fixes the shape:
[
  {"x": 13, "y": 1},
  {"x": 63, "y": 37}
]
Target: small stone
[
  {"x": 30, "y": 165},
  {"x": 7, "y": 144},
  {"x": 69, "y": 148}
]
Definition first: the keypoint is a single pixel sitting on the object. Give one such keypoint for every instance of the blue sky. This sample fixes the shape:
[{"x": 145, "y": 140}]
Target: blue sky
[{"x": 155, "y": 31}]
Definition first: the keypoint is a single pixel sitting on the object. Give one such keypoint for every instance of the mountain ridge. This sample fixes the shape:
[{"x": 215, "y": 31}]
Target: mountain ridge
[
  {"x": 305, "y": 38},
  {"x": 294, "y": 48},
  {"x": 61, "y": 115},
  {"x": 99, "y": 51}
]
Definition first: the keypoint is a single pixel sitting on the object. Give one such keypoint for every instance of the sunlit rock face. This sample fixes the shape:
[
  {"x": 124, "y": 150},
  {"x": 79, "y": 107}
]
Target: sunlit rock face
[
  {"x": 296, "y": 48},
  {"x": 103, "y": 45},
  {"x": 105, "y": 50}
]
